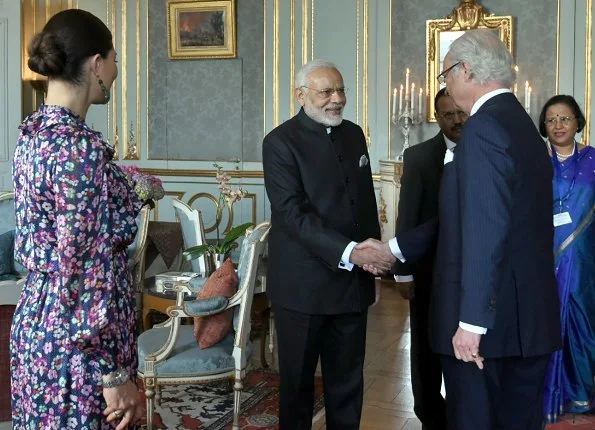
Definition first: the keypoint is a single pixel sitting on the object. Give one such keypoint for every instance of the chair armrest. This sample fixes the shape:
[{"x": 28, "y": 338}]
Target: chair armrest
[
  {"x": 205, "y": 307},
  {"x": 196, "y": 284}
]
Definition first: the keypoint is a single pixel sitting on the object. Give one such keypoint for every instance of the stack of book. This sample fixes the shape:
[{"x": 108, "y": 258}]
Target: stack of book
[{"x": 168, "y": 279}]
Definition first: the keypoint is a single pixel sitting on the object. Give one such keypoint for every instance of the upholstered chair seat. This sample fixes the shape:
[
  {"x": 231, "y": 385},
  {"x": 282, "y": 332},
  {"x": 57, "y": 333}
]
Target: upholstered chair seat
[
  {"x": 186, "y": 357},
  {"x": 169, "y": 353}
]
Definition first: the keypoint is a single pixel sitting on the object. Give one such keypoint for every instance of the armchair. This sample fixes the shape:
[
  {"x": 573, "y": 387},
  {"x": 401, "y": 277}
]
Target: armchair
[
  {"x": 11, "y": 272},
  {"x": 11, "y": 285},
  {"x": 136, "y": 255},
  {"x": 192, "y": 230},
  {"x": 169, "y": 353}
]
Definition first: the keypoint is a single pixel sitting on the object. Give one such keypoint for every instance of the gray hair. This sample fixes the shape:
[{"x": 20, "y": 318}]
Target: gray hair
[
  {"x": 486, "y": 56},
  {"x": 301, "y": 78}
]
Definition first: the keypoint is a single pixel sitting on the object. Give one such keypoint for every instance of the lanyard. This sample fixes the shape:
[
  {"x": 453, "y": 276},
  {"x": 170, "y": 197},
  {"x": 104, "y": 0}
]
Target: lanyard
[{"x": 558, "y": 175}]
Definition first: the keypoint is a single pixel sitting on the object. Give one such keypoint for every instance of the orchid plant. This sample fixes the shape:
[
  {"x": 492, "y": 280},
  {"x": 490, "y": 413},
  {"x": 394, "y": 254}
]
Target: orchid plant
[{"x": 227, "y": 197}]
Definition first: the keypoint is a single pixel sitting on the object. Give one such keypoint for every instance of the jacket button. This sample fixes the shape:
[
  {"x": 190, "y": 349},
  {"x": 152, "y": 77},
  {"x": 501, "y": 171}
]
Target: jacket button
[
  {"x": 352, "y": 202},
  {"x": 356, "y": 225},
  {"x": 347, "y": 180}
]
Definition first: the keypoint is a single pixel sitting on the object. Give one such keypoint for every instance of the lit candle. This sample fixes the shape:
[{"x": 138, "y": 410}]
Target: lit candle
[
  {"x": 529, "y": 100},
  {"x": 526, "y": 94},
  {"x": 406, "y": 86},
  {"x": 412, "y": 106},
  {"x": 395, "y": 101},
  {"x": 401, "y": 100},
  {"x": 421, "y": 91}
]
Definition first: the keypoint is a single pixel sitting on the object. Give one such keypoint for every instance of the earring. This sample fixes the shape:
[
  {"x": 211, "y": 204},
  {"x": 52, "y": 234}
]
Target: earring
[{"x": 106, "y": 93}]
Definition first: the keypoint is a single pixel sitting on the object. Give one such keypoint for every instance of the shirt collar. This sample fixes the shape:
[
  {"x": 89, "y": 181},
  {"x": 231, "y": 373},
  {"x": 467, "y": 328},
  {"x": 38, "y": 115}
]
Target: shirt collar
[
  {"x": 449, "y": 143},
  {"x": 480, "y": 101}
]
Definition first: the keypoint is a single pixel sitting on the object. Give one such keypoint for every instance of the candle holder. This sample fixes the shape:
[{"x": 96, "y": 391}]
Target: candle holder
[{"x": 405, "y": 121}]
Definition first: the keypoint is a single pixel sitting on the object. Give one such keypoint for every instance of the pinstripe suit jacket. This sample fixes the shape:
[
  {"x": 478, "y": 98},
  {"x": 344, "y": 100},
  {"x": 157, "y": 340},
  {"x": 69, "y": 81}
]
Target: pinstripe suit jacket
[{"x": 494, "y": 265}]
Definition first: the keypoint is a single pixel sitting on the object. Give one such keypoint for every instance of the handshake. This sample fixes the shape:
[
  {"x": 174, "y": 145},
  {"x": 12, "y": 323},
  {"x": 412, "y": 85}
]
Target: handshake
[{"x": 373, "y": 256}]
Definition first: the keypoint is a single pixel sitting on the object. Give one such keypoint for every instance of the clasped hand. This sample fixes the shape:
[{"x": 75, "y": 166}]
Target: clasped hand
[{"x": 373, "y": 256}]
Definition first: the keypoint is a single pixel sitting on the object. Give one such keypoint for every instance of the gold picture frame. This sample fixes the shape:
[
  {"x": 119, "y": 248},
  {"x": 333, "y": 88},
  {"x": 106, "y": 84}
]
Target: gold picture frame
[
  {"x": 440, "y": 33},
  {"x": 201, "y": 29}
]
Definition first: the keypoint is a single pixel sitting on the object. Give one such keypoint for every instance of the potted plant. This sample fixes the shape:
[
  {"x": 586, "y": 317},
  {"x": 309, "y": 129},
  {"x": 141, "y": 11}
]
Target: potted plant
[{"x": 217, "y": 252}]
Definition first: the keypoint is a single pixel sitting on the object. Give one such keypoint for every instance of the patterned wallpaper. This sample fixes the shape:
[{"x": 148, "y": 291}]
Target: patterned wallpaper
[
  {"x": 207, "y": 109},
  {"x": 535, "y": 55}
]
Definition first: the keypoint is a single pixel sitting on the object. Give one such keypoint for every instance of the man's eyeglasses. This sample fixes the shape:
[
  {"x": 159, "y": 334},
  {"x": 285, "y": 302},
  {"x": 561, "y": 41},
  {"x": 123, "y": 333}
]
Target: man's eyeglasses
[
  {"x": 565, "y": 120},
  {"x": 327, "y": 93},
  {"x": 442, "y": 76},
  {"x": 449, "y": 116}
]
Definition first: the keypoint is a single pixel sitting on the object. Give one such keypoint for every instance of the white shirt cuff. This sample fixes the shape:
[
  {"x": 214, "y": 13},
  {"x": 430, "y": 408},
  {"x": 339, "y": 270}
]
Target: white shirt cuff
[
  {"x": 473, "y": 328},
  {"x": 396, "y": 251},
  {"x": 345, "y": 264},
  {"x": 404, "y": 278}
]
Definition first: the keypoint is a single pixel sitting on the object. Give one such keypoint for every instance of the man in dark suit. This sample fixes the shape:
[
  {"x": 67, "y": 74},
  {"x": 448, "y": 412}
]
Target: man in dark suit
[
  {"x": 418, "y": 203},
  {"x": 494, "y": 312},
  {"x": 318, "y": 179}
]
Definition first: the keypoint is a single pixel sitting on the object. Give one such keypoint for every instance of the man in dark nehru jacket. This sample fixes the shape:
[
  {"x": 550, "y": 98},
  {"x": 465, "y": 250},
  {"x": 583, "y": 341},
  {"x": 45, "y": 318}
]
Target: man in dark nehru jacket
[{"x": 318, "y": 179}]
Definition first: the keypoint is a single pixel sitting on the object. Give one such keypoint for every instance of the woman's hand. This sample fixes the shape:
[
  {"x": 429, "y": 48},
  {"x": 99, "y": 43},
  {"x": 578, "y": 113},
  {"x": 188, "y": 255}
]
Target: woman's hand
[{"x": 123, "y": 404}]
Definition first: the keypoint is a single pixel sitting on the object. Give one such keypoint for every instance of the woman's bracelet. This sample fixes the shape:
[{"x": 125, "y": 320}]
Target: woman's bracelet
[{"x": 117, "y": 378}]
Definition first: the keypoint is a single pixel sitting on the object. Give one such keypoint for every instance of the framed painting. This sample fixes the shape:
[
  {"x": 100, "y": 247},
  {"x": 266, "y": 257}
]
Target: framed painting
[
  {"x": 440, "y": 33},
  {"x": 201, "y": 29}
]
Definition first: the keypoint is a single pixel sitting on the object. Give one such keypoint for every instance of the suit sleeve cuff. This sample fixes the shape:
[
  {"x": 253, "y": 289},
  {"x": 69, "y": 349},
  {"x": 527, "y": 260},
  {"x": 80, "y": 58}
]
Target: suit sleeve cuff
[
  {"x": 473, "y": 328},
  {"x": 404, "y": 278},
  {"x": 345, "y": 264},
  {"x": 396, "y": 251}
]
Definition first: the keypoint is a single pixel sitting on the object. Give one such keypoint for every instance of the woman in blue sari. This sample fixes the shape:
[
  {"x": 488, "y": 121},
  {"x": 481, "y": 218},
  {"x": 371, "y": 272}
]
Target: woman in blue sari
[{"x": 569, "y": 383}]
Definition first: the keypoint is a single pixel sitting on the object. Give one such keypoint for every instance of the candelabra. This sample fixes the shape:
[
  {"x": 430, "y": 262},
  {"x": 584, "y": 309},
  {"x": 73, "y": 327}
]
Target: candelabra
[
  {"x": 405, "y": 121},
  {"x": 406, "y": 116}
]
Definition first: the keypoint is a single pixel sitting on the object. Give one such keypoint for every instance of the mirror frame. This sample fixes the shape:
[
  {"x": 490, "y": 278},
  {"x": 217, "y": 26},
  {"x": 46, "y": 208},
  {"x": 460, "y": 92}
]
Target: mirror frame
[{"x": 467, "y": 16}]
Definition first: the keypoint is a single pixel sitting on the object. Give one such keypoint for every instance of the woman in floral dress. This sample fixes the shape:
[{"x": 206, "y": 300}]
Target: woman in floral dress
[{"x": 73, "y": 340}]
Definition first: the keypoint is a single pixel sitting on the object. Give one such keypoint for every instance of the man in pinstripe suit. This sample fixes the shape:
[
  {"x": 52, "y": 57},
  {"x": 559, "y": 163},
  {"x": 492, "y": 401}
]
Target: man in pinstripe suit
[{"x": 494, "y": 313}]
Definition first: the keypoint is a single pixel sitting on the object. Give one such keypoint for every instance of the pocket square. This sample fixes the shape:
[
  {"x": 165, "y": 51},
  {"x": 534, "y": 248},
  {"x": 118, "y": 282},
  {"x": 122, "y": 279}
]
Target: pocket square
[
  {"x": 363, "y": 161},
  {"x": 448, "y": 156}
]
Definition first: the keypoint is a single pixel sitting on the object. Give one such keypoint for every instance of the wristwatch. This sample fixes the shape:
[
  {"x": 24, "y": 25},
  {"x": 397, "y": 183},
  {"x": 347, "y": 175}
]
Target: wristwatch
[{"x": 117, "y": 378}]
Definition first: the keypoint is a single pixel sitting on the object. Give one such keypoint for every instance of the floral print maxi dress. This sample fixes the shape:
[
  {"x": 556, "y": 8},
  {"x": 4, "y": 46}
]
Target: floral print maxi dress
[{"x": 76, "y": 317}]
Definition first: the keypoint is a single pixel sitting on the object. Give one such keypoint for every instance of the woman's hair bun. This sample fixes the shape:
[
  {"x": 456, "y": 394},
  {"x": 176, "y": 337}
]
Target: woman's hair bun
[{"x": 46, "y": 56}]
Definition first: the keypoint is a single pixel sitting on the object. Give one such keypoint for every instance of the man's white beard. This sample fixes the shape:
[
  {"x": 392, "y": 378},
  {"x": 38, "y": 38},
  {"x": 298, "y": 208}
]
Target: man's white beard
[{"x": 319, "y": 115}]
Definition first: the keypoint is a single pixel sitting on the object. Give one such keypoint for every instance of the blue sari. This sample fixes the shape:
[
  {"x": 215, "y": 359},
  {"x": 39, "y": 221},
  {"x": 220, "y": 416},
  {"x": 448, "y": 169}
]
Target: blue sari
[{"x": 569, "y": 383}]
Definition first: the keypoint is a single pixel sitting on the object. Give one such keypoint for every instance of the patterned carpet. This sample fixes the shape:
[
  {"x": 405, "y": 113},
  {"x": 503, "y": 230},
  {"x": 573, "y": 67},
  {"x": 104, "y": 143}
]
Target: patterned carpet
[{"x": 210, "y": 407}]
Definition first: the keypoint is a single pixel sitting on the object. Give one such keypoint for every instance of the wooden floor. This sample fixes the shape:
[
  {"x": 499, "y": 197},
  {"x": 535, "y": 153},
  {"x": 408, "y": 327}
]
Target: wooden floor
[{"x": 388, "y": 402}]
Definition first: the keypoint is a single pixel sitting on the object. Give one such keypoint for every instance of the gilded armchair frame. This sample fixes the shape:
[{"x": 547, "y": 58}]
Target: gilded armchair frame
[
  {"x": 440, "y": 33},
  {"x": 254, "y": 242}
]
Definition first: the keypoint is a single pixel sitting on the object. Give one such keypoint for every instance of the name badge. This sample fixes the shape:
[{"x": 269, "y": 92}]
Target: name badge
[{"x": 562, "y": 219}]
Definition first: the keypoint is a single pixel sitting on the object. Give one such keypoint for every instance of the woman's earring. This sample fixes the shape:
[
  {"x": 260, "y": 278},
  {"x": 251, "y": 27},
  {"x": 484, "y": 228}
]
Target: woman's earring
[{"x": 106, "y": 93}]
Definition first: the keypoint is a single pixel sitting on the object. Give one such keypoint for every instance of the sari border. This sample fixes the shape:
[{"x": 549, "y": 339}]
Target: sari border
[{"x": 576, "y": 232}]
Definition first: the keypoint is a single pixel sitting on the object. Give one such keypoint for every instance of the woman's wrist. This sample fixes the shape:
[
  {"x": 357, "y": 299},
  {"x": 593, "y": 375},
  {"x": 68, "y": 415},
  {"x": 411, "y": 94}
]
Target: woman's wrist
[{"x": 115, "y": 379}]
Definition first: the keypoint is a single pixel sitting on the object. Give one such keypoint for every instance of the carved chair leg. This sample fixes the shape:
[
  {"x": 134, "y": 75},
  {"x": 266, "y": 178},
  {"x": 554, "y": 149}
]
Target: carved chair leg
[
  {"x": 237, "y": 403},
  {"x": 150, "y": 394}
]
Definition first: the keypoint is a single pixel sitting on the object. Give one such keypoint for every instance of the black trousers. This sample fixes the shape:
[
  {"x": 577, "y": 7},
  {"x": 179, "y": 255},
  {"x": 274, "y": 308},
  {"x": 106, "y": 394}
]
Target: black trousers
[
  {"x": 340, "y": 342},
  {"x": 426, "y": 368},
  {"x": 506, "y": 395}
]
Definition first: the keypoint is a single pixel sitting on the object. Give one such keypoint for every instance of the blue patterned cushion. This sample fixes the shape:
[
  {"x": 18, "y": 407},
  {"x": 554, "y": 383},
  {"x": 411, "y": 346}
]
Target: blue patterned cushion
[
  {"x": 7, "y": 253},
  {"x": 187, "y": 358}
]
